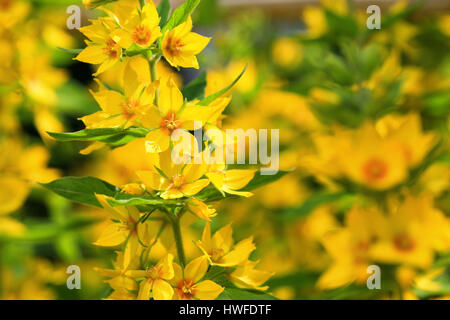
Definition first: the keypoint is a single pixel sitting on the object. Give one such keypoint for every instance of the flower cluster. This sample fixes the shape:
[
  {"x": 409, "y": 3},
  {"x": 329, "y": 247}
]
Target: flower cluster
[
  {"x": 150, "y": 119},
  {"x": 362, "y": 120}
]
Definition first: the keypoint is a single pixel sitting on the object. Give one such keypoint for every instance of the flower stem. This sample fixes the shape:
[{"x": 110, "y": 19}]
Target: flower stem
[
  {"x": 178, "y": 240},
  {"x": 154, "y": 76}
]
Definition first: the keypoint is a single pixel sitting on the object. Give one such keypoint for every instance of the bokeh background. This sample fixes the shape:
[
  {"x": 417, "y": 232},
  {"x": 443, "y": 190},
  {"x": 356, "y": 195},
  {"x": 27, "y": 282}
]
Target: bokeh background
[{"x": 364, "y": 124}]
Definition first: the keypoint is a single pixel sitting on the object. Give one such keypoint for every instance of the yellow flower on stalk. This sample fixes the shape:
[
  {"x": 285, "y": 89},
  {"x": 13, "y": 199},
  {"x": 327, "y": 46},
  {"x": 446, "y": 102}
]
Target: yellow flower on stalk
[
  {"x": 411, "y": 233},
  {"x": 220, "y": 248},
  {"x": 140, "y": 27},
  {"x": 127, "y": 229},
  {"x": 174, "y": 180},
  {"x": 101, "y": 48},
  {"x": 370, "y": 160},
  {"x": 187, "y": 282},
  {"x": 349, "y": 249},
  {"x": 154, "y": 280},
  {"x": 119, "y": 109},
  {"x": 247, "y": 276},
  {"x": 180, "y": 46},
  {"x": 173, "y": 113}
]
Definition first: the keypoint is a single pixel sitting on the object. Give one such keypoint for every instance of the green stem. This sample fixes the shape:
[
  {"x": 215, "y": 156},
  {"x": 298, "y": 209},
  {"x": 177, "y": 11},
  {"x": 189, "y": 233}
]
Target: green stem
[
  {"x": 154, "y": 76},
  {"x": 178, "y": 240}
]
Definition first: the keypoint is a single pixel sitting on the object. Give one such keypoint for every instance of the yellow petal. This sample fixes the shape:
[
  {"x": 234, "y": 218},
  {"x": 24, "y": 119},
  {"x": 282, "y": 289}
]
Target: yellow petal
[
  {"x": 239, "y": 254},
  {"x": 208, "y": 290},
  {"x": 162, "y": 290},
  {"x": 152, "y": 180},
  {"x": 195, "y": 187},
  {"x": 157, "y": 141},
  {"x": 170, "y": 98},
  {"x": 112, "y": 236},
  {"x": 196, "y": 269},
  {"x": 166, "y": 266},
  {"x": 144, "y": 289}
]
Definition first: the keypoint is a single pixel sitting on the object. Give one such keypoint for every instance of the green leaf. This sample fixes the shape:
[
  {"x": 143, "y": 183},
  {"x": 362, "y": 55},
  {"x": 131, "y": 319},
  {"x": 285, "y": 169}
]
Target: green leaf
[
  {"x": 206, "y": 101},
  {"x": 72, "y": 51},
  {"x": 310, "y": 204},
  {"x": 114, "y": 137},
  {"x": 196, "y": 88},
  {"x": 300, "y": 279},
  {"x": 180, "y": 14},
  {"x": 260, "y": 180},
  {"x": 241, "y": 294},
  {"x": 81, "y": 189},
  {"x": 219, "y": 276},
  {"x": 123, "y": 199},
  {"x": 164, "y": 9}
]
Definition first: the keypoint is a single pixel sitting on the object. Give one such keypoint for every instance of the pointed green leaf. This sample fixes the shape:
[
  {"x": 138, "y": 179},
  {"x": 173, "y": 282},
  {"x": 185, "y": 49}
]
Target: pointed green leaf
[
  {"x": 206, "y": 101},
  {"x": 81, "y": 189}
]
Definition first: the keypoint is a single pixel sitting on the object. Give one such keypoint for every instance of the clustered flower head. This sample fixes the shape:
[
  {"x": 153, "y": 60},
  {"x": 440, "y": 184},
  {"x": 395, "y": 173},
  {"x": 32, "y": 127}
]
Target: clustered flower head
[{"x": 152, "y": 262}]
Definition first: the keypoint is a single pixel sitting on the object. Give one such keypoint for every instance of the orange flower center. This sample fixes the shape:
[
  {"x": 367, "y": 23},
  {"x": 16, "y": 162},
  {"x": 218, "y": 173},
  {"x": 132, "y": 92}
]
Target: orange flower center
[
  {"x": 186, "y": 289},
  {"x": 177, "y": 181},
  {"x": 404, "y": 242},
  {"x": 141, "y": 35},
  {"x": 111, "y": 48},
  {"x": 5, "y": 4},
  {"x": 169, "y": 123},
  {"x": 154, "y": 273},
  {"x": 174, "y": 47},
  {"x": 375, "y": 169},
  {"x": 129, "y": 109}
]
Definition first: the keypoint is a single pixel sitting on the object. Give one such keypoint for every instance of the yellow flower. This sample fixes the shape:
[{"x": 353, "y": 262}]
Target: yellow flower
[
  {"x": 13, "y": 12},
  {"x": 370, "y": 160},
  {"x": 180, "y": 46},
  {"x": 133, "y": 188},
  {"x": 407, "y": 130},
  {"x": 187, "y": 282},
  {"x": 315, "y": 21},
  {"x": 119, "y": 281},
  {"x": 125, "y": 109},
  {"x": 287, "y": 52},
  {"x": 140, "y": 27},
  {"x": 155, "y": 279},
  {"x": 101, "y": 48},
  {"x": 246, "y": 276},
  {"x": 220, "y": 250},
  {"x": 410, "y": 233},
  {"x": 172, "y": 113},
  {"x": 126, "y": 229},
  {"x": 174, "y": 180},
  {"x": 201, "y": 209},
  {"x": 349, "y": 248},
  {"x": 229, "y": 181}
]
